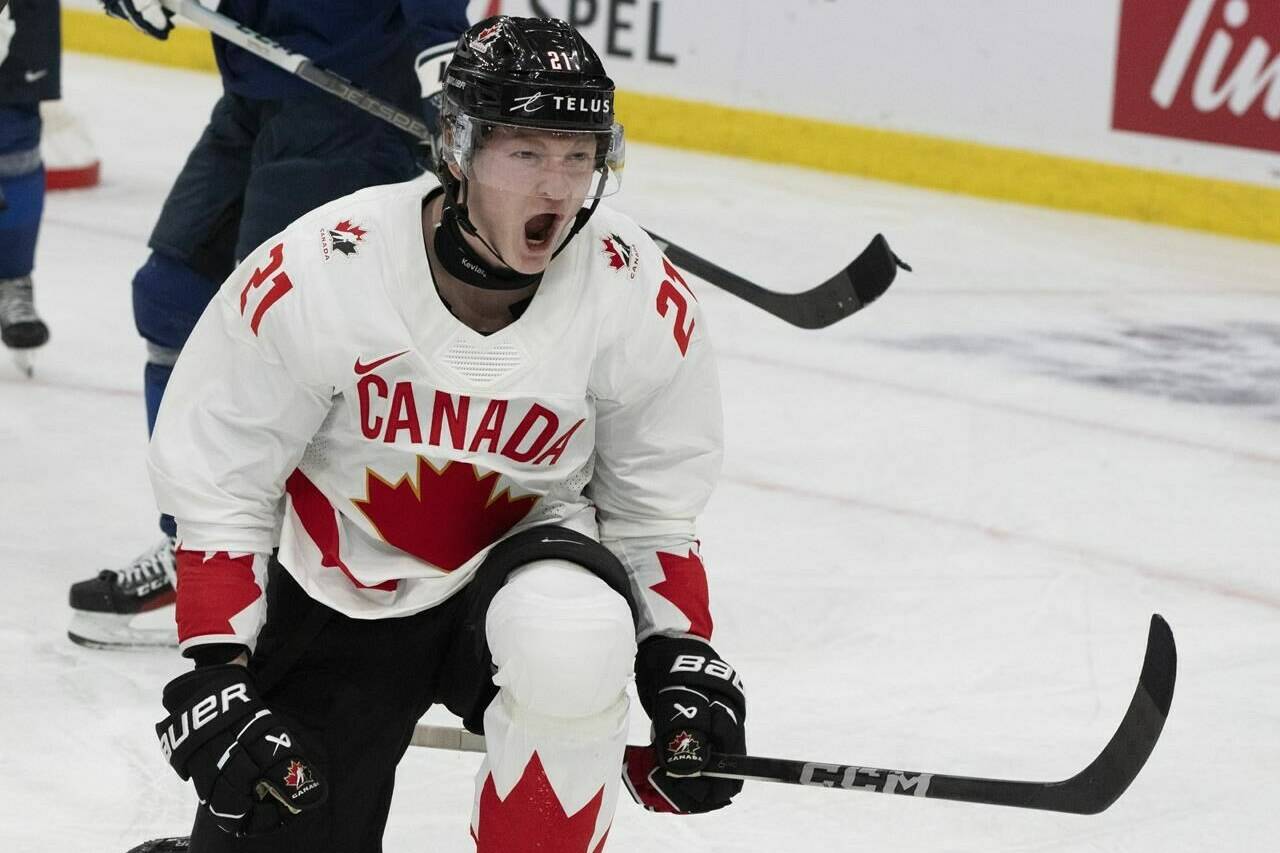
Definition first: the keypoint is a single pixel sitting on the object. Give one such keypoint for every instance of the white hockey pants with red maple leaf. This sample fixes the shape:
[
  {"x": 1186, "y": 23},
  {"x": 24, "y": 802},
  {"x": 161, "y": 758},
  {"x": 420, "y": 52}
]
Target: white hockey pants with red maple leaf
[{"x": 564, "y": 647}]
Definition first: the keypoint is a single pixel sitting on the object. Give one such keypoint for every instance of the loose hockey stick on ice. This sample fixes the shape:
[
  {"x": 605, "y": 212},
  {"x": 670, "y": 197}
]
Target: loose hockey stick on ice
[
  {"x": 1088, "y": 792},
  {"x": 848, "y": 291}
]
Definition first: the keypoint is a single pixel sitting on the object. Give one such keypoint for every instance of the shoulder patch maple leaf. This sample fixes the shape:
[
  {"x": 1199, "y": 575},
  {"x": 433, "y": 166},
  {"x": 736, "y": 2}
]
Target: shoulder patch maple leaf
[
  {"x": 442, "y": 516},
  {"x": 619, "y": 254}
]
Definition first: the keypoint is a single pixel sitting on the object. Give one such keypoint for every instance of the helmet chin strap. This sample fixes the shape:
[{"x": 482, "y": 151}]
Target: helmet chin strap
[{"x": 462, "y": 262}]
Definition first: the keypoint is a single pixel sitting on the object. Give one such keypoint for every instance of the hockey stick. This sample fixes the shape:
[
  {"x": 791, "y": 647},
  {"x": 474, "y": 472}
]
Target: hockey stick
[
  {"x": 297, "y": 64},
  {"x": 848, "y": 291},
  {"x": 1088, "y": 792}
]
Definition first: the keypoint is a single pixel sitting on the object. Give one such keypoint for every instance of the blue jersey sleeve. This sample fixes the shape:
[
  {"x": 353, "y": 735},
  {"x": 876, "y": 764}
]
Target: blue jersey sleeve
[
  {"x": 372, "y": 43},
  {"x": 434, "y": 22}
]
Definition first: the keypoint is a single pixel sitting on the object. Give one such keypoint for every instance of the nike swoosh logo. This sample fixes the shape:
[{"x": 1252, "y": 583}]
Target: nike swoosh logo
[
  {"x": 362, "y": 369},
  {"x": 33, "y": 76}
]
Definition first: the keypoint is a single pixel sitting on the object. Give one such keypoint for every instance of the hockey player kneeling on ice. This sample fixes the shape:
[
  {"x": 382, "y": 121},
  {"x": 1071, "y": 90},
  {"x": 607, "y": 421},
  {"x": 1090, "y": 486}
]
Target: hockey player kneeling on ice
[{"x": 444, "y": 442}]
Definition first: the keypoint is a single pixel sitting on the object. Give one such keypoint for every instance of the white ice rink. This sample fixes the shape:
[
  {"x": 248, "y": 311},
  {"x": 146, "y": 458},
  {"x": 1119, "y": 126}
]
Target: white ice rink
[{"x": 942, "y": 525}]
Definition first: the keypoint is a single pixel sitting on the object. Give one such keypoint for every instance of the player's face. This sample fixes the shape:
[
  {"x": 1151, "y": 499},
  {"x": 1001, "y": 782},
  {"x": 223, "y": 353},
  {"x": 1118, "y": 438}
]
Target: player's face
[{"x": 528, "y": 187}]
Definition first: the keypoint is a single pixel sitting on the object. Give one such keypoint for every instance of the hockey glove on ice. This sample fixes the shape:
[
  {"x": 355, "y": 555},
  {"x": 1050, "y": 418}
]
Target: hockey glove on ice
[
  {"x": 147, "y": 15},
  {"x": 697, "y": 706},
  {"x": 242, "y": 760}
]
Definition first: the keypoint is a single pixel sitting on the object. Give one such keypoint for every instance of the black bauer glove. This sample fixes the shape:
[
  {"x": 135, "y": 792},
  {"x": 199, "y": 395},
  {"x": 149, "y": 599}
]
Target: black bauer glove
[
  {"x": 242, "y": 760},
  {"x": 697, "y": 706}
]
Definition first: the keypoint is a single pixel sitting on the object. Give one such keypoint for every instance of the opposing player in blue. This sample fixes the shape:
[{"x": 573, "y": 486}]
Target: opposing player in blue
[
  {"x": 274, "y": 149},
  {"x": 29, "y": 73}
]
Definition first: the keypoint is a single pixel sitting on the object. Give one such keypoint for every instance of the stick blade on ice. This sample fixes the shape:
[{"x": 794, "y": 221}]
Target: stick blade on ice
[
  {"x": 1100, "y": 784},
  {"x": 1097, "y": 786}
]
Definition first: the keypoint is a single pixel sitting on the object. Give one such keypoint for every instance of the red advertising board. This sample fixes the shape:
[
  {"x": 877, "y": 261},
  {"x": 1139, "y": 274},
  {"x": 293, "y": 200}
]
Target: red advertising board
[{"x": 1200, "y": 69}]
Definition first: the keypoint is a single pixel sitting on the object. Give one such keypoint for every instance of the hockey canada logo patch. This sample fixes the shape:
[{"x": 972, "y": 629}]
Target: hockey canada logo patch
[
  {"x": 300, "y": 778},
  {"x": 297, "y": 775},
  {"x": 343, "y": 238},
  {"x": 683, "y": 750},
  {"x": 621, "y": 255},
  {"x": 482, "y": 40}
]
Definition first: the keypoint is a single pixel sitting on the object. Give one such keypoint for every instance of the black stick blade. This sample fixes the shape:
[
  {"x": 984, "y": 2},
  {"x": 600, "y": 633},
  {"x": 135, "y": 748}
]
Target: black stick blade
[
  {"x": 1088, "y": 792},
  {"x": 847, "y": 292},
  {"x": 1109, "y": 775},
  {"x": 874, "y": 270},
  {"x": 1100, "y": 784}
]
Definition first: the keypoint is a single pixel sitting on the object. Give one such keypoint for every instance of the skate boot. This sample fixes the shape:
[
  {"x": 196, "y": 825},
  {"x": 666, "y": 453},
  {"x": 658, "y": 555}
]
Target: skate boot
[
  {"x": 21, "y": 328},
  {"x": 105, "y": 610}
]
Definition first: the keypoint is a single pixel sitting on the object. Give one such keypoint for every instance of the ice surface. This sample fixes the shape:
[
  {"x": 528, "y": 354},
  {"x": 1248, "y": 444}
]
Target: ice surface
[{"x": 942, "y": 524}]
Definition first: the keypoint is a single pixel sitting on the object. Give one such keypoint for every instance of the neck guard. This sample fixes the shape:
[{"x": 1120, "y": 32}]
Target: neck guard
[{"x": 463, "y": 263}]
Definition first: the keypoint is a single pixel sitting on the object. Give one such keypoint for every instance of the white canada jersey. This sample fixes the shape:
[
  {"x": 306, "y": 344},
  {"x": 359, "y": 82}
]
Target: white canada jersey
[{"x": 329, "y": 403}]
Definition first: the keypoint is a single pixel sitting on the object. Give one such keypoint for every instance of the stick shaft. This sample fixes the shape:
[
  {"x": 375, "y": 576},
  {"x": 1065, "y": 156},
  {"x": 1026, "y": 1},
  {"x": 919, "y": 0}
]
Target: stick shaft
[
  {"x": 297, "y": 64},
  {"x": 1090, "y": 791}
]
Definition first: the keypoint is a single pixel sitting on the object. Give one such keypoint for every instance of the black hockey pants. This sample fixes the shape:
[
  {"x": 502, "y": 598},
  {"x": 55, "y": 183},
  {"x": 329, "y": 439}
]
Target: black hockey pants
[{"x": 351, "y": 690}]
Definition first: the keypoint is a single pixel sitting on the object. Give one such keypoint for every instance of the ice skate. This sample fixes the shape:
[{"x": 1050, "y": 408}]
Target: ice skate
[
  {"x": 107, "y": 610},
  {"x": 21, "y": 328}
]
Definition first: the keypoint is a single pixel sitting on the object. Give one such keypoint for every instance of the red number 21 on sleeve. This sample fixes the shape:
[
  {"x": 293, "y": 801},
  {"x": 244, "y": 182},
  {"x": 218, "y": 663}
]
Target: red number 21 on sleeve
[
  {"x": 280, "y": 285},
  {"x": 669, "y": 295}
]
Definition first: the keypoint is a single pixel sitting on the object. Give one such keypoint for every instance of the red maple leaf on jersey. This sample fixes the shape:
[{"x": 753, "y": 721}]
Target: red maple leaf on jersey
[
  {"x": 685, "y": 586},
  {"x": 444, "y": 517},
  {"x": 216, "y": 587},
  {"x": 614, "y": 256},
  {"x": 346, "y": 227},
  {"x": 320, "y": 521},
  {"x": 532, "y": 818},
  {"x": 619, "y": 254}
]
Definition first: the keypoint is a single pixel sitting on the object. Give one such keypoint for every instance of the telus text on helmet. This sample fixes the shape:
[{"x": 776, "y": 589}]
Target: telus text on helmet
[{"x": 561, "y": 104}]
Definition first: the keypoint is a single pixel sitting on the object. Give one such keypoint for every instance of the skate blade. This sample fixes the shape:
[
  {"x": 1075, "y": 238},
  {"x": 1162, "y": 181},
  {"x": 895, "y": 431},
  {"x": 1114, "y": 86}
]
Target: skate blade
[
  {"x": 114, "y": 631},
  {"x": 25, "y": 361}
]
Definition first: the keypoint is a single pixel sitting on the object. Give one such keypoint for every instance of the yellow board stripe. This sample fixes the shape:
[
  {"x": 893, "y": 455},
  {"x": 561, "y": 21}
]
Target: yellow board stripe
[
  {"x": 94, "y": 32},
  {"x": 1225, "y": 207}
]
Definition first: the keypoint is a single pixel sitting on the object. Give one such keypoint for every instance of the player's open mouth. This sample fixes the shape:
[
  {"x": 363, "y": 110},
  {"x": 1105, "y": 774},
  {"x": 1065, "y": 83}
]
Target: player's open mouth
[{"x": 539, "y": 230}]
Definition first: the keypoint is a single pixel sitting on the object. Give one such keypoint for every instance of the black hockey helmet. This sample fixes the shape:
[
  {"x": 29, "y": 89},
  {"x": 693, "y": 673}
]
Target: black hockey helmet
[
  {"x": 535, "y": 72},
  {"x": 523, "y": 74}
]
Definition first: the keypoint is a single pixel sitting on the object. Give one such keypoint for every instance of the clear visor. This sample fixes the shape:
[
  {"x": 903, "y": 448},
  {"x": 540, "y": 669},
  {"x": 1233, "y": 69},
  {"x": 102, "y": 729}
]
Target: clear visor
[{"x": 536, "y": 162}]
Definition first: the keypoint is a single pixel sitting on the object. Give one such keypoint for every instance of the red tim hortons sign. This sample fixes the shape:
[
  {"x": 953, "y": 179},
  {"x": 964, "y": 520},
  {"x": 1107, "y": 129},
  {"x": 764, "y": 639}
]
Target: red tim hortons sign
[{"x": 1207, "y": 70}]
